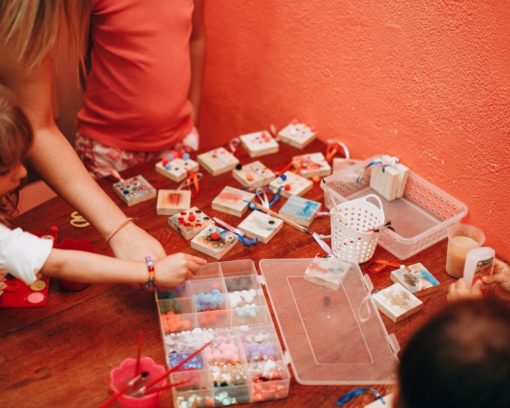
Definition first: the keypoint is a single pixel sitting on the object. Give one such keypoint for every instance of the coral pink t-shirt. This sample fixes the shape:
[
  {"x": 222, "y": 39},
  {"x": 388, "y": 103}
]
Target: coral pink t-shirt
[{"x": 136, "y": 97}]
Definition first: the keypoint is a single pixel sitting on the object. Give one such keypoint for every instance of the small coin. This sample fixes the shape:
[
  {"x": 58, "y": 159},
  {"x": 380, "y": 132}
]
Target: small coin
[{"x": 38, "y": 285}]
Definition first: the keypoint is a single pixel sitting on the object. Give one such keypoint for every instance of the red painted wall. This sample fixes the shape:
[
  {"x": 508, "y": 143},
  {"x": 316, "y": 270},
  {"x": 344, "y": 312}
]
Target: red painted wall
[{"x": 426, "y": 81}]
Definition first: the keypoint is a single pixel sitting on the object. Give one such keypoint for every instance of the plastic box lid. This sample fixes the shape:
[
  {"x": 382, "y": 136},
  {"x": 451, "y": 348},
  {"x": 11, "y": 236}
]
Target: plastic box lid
[{"x": 333, "y": 337}]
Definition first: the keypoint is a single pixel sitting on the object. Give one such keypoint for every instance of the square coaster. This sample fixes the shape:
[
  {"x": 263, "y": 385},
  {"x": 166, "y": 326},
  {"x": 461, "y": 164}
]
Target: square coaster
[
  {"x": 232, "y": 201},
  {"x": 416, "y": 279},
  {"x": 311, "y": 165},
  {"x": 173, "y": 201},
  {"x": 261, "y": 226},
  {"x": 214, "y": 241},
  {"x": 396, "y": 302},
  {"x": 176, "y": 169},
  {"x": 297, "y": 134},
  {"x": 300, "y": 210},
  {"x": 134, "y": 190},
  {"x": 259, "y": 143},
  {"x": 190, "y": 222},
  {"x": 327, "y": 271},
  {"x": 292, "y": 184},
  {"x": 218, "y": 161},
  {"x": 253, "y": 175}
]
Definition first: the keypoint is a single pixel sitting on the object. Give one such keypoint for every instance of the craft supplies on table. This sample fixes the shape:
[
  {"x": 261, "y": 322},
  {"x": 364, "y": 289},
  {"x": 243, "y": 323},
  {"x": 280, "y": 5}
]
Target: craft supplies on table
[
  {"x": 261, "y": 226},
  {"x": 397, "y": 302},
  {"x": 290, "y": 183},
  {"x": 176, "y": 169},
  {"x": 388, "y": 177},
  {"x": 312, "y": 165},
  {"x": 416, "y": 279},
  {"x": 253, "y": 175},
  {"x": 214, "y": 241},
  {"x": 259, "y": 143},
  {"x": 218, "y": 161},
  {"x": 327, "y": 271},
  {"x": 18, "y": 294},
  {"x": 333, "y": 337},
  {"x": 297, "y": 134},
  {"x": 190, "y": 222},
  {"x": 354, "y": 228},
  {"x": 134, "y": 190},
  {"x": 420, "y": 217},
  {"x": 244, "y": 362},
  {"x": 232, "y": 201},
  {"x": 171, "y": 202},
  {"x": 300, "y": 210}
]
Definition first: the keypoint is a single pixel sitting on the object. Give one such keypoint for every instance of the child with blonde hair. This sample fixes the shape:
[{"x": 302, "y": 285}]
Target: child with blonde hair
[{"x": 26, "y": 256}]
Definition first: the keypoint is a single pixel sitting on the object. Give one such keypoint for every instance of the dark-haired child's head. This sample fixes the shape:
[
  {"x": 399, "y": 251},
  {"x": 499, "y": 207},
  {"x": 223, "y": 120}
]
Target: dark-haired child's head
[
  {"x": 460, "y": 358},
  {"x": 15, "y": 141}
]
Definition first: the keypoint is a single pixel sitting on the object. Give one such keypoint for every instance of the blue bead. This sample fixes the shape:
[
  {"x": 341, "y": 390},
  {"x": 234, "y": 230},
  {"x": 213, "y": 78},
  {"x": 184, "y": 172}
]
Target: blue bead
[{"x": 185, "y": 156}]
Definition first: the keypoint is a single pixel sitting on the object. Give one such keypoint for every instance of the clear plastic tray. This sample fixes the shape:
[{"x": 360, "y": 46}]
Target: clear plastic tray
[
  {"x": 332, "y": 336},
  {"x": 420, "y": 217},
  {"x": 240, "y": 317}
]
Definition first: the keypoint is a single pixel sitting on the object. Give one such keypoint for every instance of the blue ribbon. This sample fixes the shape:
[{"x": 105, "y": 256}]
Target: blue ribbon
[{"x": 344, "y": 399}]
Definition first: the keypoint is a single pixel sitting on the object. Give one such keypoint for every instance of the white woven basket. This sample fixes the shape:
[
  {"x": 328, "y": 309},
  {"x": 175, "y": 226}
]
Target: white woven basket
[{"x": 352, "y": 224}]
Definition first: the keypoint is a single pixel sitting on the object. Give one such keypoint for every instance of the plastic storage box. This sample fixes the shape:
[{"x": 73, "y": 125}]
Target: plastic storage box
[
  {"x": 223, "y": 304},
  {"x": 332, "y": 337},
  {"x": 420, "y": 218}
]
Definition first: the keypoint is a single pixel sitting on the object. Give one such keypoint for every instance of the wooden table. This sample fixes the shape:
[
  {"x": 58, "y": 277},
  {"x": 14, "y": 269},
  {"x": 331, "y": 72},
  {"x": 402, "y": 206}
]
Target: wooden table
[{"x": 61, "y": 355}]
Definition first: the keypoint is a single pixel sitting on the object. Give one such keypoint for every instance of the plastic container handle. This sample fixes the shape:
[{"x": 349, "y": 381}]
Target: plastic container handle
[{"x": 377, "y": 199}]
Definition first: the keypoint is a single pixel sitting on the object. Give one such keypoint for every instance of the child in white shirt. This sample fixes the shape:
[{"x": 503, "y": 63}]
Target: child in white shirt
[{"x": 26, "y": 256}]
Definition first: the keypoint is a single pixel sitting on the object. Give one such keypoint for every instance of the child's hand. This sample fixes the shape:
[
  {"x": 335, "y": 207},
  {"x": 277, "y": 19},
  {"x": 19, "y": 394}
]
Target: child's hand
[
  {"x": 499, "y": 280},
  {"x": 173, "y": 270},
  {"x": 460, "y": 291},
  {"x": 3, "y": 285}
]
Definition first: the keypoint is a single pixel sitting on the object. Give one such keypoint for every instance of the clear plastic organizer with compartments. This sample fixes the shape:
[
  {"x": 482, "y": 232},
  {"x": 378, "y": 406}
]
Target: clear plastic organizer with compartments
[
  {"x": 222, "y": 304},
  {"x": 331, "y": 336},
  {"x": 420, "y": 218}
]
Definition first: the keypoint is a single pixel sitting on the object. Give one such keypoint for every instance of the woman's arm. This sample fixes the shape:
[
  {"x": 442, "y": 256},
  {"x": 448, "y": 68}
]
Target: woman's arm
[
  {"x": 56, "y": 161},
  {"x": 197, "y": 52}
]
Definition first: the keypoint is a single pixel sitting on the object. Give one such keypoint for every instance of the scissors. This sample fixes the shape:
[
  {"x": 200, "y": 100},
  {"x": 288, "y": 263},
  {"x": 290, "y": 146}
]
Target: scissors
[{"x": 77, "y": 220}]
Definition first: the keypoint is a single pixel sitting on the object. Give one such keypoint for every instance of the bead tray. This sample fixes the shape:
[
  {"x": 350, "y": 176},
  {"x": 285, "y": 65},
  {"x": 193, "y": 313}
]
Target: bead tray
[{"x": 224, "y": 304}]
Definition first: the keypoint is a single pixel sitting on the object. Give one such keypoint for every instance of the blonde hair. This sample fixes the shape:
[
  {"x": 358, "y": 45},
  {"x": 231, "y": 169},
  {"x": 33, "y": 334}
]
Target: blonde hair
[
  {"x": 33, "y": 27},
  {"x": 15, "y": 140}
]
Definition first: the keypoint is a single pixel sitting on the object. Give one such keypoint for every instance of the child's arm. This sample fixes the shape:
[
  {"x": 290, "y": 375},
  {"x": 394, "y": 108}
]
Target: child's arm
[
  {"x": 87, "y": 267},
  {"x": 197, "y": 51},
  {"x": 58, "y": 164}
]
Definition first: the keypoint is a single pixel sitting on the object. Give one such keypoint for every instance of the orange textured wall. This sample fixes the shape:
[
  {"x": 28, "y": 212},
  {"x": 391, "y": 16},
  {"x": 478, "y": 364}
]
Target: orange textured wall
[{"x": 426, "y": 81}]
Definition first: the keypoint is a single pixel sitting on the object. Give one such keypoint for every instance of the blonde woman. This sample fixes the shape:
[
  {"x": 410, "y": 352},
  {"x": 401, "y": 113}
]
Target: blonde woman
[{"x": 29, "y": 32}]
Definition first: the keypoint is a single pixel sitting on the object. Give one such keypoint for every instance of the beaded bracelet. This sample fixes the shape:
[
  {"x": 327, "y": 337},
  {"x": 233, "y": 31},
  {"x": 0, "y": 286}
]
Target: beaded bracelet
[
  {"x": 116, "y": 230},
  {"x": 152, "y": 273}
]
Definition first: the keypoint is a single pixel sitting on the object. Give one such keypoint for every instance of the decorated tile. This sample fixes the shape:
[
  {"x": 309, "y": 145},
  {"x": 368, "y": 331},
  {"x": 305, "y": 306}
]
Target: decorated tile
[
  {"x": 261, "y": 226},
  {"x": 259, "y": 143},
  {"x": 176, "y": 169},
  {"x": 253, "y": 175},
  {"x": 172, "y": 201},
  {"x": 291, "y": 183},
  {"x": 300, "y": 210},
  {"x": 232, "y": 201},
  {"x": 214, "y": 241},
  {"x": 297, "y": 134},
  {"x": 396, "y": 302},
  {"x": 312, "y": 165},
  {"x": 190, "y": 222},
  {"x": 416, "y": 279},
  {"x": 134, "y": 190},
  {"x": 218, "y": 161},
  {"x": 327, "y": 271}
]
